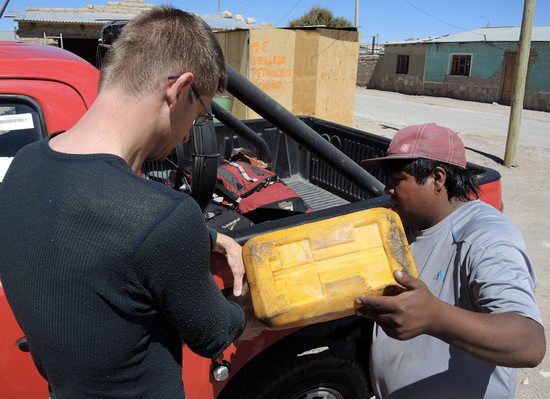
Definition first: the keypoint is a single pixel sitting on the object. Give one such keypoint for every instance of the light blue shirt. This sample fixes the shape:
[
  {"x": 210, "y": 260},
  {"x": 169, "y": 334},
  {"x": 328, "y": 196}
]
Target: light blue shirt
[{"x": 474, "y": 259}]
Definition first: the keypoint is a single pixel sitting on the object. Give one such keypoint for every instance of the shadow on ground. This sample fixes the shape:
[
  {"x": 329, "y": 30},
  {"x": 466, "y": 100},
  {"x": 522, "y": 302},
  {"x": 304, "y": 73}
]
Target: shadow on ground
[
  {"x": 388, "y": 127},
  {"x": 492, "y": 157}
]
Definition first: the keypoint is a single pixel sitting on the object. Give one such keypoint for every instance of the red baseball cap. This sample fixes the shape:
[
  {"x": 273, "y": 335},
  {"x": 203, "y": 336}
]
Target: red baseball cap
[{"x": 429, "y": 141}]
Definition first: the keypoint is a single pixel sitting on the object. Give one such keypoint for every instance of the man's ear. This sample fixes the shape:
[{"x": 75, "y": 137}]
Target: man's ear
[
  {"x": 180, "y": 86},
  {"x": 439, "y": 176}
]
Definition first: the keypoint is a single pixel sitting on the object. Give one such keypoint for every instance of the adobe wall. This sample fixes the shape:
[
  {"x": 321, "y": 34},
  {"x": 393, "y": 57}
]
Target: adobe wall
[
  {"x": 385, "y": 76},
  {"x": 365, "y": 69}
]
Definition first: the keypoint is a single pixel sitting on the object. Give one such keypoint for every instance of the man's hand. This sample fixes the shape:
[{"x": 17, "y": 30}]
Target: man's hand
[
  {"x": 505, "y": 339},
  {"x": 405, "y": 315},
  {"x": 254, "y": 327},
  {"x": 233, "y": 252}
]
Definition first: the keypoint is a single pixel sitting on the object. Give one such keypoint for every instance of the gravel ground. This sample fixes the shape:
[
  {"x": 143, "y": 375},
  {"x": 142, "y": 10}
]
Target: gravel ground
[{"x": 525, "y": 194}]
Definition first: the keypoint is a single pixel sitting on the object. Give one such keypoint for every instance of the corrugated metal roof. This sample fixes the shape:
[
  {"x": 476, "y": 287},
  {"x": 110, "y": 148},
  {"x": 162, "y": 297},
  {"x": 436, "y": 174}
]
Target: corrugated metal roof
[
  {"x": 70, "y": 17},
  {"x": 496, "y": 34},
  {"x": 215, "y": 22}
]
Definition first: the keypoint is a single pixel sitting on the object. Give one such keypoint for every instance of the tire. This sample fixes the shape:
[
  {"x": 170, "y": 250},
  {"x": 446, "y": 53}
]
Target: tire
[{"x": 321, "y": 376}]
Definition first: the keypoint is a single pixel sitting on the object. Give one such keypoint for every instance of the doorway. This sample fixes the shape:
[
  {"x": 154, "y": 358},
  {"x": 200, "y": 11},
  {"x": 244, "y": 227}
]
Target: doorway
[{"x": 510, "y": 65}]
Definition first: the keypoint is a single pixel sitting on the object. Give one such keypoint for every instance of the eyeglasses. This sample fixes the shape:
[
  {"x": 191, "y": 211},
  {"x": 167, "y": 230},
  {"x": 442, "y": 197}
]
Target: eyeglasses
[{"x": 202, "y": 119}]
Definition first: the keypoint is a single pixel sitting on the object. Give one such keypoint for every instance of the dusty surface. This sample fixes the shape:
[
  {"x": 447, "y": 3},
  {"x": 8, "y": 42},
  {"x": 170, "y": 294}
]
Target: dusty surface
[{"x": 525, "y": 192}]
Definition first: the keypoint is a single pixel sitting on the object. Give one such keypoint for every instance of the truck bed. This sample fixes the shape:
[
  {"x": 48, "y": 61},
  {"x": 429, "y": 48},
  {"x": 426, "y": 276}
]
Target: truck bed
[
  {"x": 325, "y": 189},
  {"x": 316, "y": 197},
  {"x": 296, "y": 165}
]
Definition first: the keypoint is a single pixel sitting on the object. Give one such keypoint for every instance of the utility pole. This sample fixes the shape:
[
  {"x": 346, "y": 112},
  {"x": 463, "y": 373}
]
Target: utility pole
[
  {"x": 357, "y": 13},
  {"x": 518, "y": 93}
]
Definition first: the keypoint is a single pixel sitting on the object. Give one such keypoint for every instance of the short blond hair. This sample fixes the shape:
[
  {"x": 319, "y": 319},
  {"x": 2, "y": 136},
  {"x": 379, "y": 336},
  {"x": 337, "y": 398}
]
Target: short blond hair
[{"x": 163, "y": 42}]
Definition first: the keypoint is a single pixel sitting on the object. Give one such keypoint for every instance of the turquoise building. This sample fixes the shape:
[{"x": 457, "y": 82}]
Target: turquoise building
[{"x": 477, "y": 65}]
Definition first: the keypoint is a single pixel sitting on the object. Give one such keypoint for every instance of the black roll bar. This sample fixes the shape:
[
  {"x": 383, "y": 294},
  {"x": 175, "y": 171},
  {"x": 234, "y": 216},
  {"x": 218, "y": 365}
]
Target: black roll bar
[
  {"x": 263, "y": 151},
  {"x": 275, "y": 113}
]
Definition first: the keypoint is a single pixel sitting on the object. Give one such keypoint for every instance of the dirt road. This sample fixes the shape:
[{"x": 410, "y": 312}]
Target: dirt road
[{"x": 526, "y": 188}]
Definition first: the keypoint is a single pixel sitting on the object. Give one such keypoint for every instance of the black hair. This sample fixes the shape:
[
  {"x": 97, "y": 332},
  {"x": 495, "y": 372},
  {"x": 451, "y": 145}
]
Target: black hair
[{"x": 460, "y": 183}]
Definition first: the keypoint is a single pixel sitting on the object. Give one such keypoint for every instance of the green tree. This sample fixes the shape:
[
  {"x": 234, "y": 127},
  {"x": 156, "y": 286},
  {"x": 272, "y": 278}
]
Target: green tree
[{"x": 320, "y": 16}]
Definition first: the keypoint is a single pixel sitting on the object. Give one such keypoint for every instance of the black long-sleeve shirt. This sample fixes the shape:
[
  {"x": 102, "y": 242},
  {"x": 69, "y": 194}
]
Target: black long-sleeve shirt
[{"x": 107, "y": 273}]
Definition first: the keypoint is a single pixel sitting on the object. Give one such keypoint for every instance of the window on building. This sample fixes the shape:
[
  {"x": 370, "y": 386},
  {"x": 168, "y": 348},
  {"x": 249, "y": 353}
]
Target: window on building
[
  {"x": 460, "y": 64},
  {"x": 402, "y": 66}
]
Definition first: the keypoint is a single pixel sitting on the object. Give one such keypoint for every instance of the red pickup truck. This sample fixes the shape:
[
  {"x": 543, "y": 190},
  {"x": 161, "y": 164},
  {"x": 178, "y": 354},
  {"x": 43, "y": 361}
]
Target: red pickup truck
[{"x": 44, "y": 89}]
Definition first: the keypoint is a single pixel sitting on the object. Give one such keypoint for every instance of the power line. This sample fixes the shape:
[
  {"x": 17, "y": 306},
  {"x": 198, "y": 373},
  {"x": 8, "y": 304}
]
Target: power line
[
  {"x": 434, "y": 17},
  {"x": 4, "y": 8},
  {"x": 447, "y": 23},
  {"x": 289, "y": 11}
]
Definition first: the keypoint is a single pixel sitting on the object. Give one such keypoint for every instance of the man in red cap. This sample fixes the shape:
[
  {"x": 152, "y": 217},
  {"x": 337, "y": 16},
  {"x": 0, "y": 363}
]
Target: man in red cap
[{"x": 461, "y": 329}]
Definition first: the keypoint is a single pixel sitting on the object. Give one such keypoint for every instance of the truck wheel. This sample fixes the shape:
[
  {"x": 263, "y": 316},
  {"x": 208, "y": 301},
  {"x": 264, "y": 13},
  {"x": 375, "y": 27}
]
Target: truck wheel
[{"x": 320, "y": 376}]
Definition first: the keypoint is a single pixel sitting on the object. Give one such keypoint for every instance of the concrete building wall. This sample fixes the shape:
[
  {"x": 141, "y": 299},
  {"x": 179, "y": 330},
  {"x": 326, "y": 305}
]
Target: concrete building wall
[
  {"x": 539, "y": 72},
  {"x": 486, "y": 59},
  {"x": 385, "y": 76},
  {"x": 486, "y": 80}
]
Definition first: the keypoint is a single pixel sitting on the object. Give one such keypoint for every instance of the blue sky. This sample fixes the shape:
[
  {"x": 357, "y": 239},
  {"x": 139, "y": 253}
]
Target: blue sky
[{"x": 392, "y": 20}]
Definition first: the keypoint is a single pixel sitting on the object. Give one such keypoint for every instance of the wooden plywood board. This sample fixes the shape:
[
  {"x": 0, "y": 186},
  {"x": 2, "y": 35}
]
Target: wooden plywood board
[
  {"x": 309, "y": 72},
  {"x": 337, "y": 75},
  {"x": 234, "y": 45},
  {"x": 271, "y": 64},
  {"x": 305, "y": 72}
]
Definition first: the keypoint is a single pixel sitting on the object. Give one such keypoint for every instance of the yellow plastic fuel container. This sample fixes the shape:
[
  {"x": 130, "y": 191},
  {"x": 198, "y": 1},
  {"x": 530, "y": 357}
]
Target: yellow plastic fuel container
[{"x": 313, "y": 272}]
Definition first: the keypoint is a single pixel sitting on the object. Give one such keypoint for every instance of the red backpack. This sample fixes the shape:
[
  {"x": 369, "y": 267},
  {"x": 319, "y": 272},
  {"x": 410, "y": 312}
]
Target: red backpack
[{"x": 257, "y": 193}]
